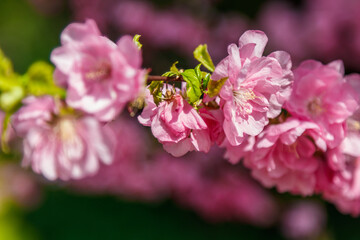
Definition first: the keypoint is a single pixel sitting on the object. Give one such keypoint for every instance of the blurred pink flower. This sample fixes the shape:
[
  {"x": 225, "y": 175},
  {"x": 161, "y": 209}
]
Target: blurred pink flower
[
  {"x": 257, "y": 86},
  {"x": 101, "y": 76},
  {"x": 18, "y": 185},
  {"x": 321, "y": 29},
  {"x": 341, "y": 186},
  {"x": 217, "y": 190},
  {"x": 282, "y": 24},
  {"x": 60, "y": 145},
  {"x": 226, "y": 31},
  {"x": 303, "y": 220},
  {"x": 340, "y": 179},
  {"x": 176, "y": 124},
  {"x": 162, "y": 29}
]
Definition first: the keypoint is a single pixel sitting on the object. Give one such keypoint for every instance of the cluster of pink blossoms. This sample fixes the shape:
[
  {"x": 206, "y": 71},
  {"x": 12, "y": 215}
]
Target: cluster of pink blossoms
[
  {"x": 296, "y": 129},
  {"x": 69, "y": 139},
  {"x": 312, "y": 146}
]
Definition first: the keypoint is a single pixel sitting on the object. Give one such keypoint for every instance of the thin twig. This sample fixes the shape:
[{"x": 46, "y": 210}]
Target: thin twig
[{"x": 165, "y": 79}]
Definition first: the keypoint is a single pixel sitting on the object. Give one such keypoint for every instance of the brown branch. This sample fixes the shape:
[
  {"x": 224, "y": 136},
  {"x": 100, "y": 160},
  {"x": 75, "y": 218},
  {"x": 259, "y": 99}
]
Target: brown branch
[{"x": 165, "y": 79}]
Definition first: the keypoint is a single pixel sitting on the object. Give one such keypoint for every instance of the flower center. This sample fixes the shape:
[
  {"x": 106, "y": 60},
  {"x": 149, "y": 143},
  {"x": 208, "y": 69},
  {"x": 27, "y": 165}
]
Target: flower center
[
  {"x": 314, "y": 107},
  {"x": 241, "y": 98},
  {"x": 101, "y": 71},
  {"x": 66, "y": 130}
]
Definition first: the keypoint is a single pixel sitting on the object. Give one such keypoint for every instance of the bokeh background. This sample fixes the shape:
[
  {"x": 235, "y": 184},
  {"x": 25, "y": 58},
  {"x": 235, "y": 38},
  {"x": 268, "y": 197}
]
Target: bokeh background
[{"x": 147, "y": 194}]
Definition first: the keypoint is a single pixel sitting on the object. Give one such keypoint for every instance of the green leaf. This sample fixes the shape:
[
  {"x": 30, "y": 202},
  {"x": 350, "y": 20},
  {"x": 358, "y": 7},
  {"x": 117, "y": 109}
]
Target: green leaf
[
  {"x": 198, "y": 71},
  {"x": 39, "y": 81},
  {"x": 202, "y": 55},
  {"x": 214, "y": 87},
  {"x": 192, "y": 77},
  {"x": 7, "y": 83},
  {"x": 10, "y": 100},
  {"x": 174, "y": 71},
  {"x": 137, "y": 41},
  {"x": 40, "y": 89},
  {"x": 155, "y": 88},
  {"x": 206, "y": 79},
  {"x": 41, "y": 72}
]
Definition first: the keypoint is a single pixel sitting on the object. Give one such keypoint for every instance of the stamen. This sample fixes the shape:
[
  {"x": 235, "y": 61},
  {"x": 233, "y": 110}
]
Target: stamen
[
  {"x": 100, "y": 72},
  {"x": 65, "y": 129},
  {"x": 241, "y": 98},
  {"x": 314, "y": 107}
]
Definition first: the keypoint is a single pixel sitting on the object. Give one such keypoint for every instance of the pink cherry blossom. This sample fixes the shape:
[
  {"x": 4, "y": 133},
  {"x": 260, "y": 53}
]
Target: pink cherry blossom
[
  {"x": 101, "y": 76},
  {"x": 176, "y": 124},
  {"x": 341, "y": 186},
  {"x": 257, "y": 86},
  {"x": 214, "y": 119},
  {"x": 340, "y": 178},
  {"x": 321, "y": 94},
  {"x": 284, "y": 156},
  {"x": 60, "y": 145}
]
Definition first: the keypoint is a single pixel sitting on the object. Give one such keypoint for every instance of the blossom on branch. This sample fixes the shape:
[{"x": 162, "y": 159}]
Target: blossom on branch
[
  {"x": 283, "y": 155},
  {"x": 175, "y": 123},
  {"x": 322, "y": 95},
  {"x": 101, "y": 77},
  {"x": 61, "y": 145},
  {"x": 256, "y": 88}
]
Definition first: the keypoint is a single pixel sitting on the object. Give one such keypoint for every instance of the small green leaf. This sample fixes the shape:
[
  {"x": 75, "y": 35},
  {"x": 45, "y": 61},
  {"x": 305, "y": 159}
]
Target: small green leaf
[
  {"x": 192, "y": 77},
  {"x": 214, "y": 87},
  {"x": 155, "y": 88},
  {"x": 198, "y": 71},
  {"x": 202, "y": 55},
  {"x": 137, "y": 41},
  {"x": 41, "y": 72},
  {"x": 206, "y": 79},
  {"x": 174, "y": 71}
]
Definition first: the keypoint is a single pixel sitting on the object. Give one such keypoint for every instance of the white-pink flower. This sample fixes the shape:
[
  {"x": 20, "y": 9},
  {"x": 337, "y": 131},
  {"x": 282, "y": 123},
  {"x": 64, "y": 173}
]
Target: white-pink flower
[
  {"x": 176, "y": 124},
  {"x": 257, "y": 86},
  {"x": 101, "y": 77},
  {"x": 61, "y": 145}
]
